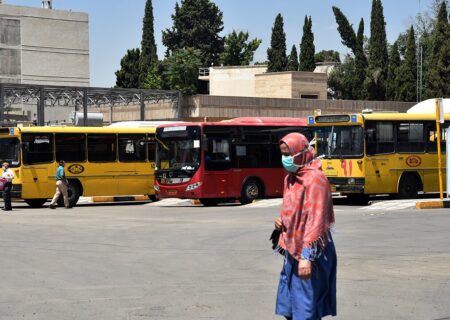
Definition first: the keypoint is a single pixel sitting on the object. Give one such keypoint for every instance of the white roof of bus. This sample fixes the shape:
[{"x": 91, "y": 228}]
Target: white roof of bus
[
  {"x": 429, "y": 106},
  {"x": 141, "y": 124}
]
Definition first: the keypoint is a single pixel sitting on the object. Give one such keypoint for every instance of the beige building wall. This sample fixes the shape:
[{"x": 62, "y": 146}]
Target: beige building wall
[
  {"x": 234, "y": 81},
  {"x": 43, "y": 46},
  {"x": 291, "y": 84}
]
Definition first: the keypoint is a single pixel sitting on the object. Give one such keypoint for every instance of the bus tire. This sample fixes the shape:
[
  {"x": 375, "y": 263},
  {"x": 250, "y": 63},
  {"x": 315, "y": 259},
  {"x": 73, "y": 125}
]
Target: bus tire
[
  {"x": 251, "y": 190},
  {"x": 209, "y": 202},
  {"x": 73, "y": 191},
  {"x": 35, "y": 203},
  {"x": 409, "y": 186},
  {"x": 153, "y": 198}
]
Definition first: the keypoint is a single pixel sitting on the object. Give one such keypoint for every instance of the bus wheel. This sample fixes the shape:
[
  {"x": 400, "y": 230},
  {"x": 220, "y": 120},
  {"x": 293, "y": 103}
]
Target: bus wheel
[
  {"x": 73, "y": 191},
  {"x": 408, "y": 187},
  {"x": 251, "y": 190},
  {"x": 153, "y": 198},
  {"x": 35, "y": 203},
  {"x": 209, "y": 202}
]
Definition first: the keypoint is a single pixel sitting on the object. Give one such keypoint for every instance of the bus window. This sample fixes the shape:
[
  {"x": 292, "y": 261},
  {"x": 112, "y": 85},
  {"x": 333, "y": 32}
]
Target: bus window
[
  {"x": 151, "y": 149},
  {"x": 70, "y": 147},
  {"x": 380, "y": 137},
  {"x": 410, "y": 137},
  {"x": 432, "y": 137},
  {"x": 218, "y": 156},
  {"x": 132, "y": 148},
  {"x": 9, "y": 151},
  {"x": 37, "y": 148},
  {"x": 102, "y": 147}
]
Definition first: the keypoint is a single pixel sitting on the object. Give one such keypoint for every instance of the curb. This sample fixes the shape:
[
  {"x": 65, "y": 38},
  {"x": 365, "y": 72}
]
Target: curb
[
  {"x": 439, "y": 204},
  {"x": 119, "y": 198}
]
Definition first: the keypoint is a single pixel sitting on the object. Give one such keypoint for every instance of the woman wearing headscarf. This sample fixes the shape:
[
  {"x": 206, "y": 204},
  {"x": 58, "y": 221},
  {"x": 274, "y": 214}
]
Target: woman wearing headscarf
[{"x": 307, "y": 287}]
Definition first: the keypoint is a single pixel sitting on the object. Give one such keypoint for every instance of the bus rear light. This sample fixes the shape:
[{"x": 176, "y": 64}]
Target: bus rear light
[{"x": 193, "y": 186}]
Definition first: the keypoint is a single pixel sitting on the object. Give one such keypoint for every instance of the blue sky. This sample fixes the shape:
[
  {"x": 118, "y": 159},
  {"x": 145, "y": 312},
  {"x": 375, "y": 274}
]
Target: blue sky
[{"x": 116, "y": 25}]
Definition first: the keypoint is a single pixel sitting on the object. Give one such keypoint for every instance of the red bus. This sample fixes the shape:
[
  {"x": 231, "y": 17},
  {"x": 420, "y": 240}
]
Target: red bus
[{"x": 221, "y": 161}]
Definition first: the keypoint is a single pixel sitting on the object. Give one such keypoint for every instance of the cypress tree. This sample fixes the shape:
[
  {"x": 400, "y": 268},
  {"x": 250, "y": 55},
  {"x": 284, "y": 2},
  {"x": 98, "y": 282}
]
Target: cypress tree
[
  {"x": 360, "y": 65},
  {"x": 293, "y": 60},
  {"x": 378, "y": 55},
  {"x": 276, "y": 54},
  {"x": 438, "y": 75},
  {"x": 394, "y": 65},
  {"x": 196, "y": 24},
  {"x": 128, "y": 75},
  {"x": 407, "y": 74},
  {"x": 148, "y": 46},
  {"x": 345, "y": 29},
  {"x": 307, "y": 49}
]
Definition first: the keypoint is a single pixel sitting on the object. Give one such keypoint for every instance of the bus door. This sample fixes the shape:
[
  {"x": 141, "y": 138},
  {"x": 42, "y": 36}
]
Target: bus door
[
  {"x": 218, "y": 176},
  {"x": 38, "y": 180},
  {"x": 381, "y": 165},
  {"x": 134, "y": 175}
]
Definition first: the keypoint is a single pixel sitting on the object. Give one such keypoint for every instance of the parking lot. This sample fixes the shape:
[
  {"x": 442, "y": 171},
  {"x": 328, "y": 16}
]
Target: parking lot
[{"x": 179, "y": 261}]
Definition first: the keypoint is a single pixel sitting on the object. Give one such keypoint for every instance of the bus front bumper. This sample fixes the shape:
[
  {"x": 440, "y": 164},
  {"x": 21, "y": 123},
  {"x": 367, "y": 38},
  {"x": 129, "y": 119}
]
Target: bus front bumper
[
  {"x": 184, "y": 191},
  {"x": 353, "y": 185}
]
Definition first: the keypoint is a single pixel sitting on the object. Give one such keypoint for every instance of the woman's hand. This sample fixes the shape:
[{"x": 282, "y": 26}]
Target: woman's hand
[
  {"x": 304, "y": 269},
  {"x": 278, "y": 224}
]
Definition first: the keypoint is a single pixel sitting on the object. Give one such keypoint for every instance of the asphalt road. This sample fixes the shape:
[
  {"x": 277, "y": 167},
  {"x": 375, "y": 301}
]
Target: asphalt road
[{"x": 183, "y": 262}]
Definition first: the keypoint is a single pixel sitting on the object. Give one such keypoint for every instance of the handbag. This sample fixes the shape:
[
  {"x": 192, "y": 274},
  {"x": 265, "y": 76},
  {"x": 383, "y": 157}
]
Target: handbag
[
  {"x": 275, "y": 238},
  {"x": 3, "y": 181}
]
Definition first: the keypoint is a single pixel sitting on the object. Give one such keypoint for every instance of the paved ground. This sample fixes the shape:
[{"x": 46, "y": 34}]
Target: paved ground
[{"x": 178, "y": 261}]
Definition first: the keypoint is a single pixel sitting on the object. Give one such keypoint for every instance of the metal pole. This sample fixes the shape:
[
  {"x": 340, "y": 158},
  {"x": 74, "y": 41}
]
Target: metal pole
[
  {"x": 41, "y": 107},
  {"x": 438, "y": 128},
  {"x": 85, "y": 110},
  {"x": 2, "y": 103},
  {"x": 142, "y": 102},
  {"x": 448, "y": 162}
]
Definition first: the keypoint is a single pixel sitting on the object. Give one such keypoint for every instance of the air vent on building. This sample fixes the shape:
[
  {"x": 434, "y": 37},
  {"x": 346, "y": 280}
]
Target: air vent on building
[{"x": 46, "y": 4}]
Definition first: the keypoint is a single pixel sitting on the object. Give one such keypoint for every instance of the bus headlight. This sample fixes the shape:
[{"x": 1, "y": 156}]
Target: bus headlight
[
  {"x": 156, "y": 188},
  {"x": 193, "y": 186}
]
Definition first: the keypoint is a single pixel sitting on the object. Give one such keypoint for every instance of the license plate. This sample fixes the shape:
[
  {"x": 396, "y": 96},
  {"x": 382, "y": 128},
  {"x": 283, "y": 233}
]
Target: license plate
[{"x": 171, "y": 192}]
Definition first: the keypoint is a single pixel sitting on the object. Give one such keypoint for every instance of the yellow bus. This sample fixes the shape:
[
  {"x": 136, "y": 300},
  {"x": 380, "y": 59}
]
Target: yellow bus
[
  {"x": 379, "y": 153},
  {"x": 102, "y": 161}
]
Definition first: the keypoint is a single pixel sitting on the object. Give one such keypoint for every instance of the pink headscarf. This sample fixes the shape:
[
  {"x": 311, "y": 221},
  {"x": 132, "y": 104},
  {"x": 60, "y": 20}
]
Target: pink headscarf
[{"x": 307, "y": 211}]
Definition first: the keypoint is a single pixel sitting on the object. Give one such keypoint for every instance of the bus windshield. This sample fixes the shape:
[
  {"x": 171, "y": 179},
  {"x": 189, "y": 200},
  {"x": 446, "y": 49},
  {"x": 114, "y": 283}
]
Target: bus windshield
[
  {"x": 340, "y": 141},
  {"x": 9, "y": 151},
  {"x": 178, "y": 148}
]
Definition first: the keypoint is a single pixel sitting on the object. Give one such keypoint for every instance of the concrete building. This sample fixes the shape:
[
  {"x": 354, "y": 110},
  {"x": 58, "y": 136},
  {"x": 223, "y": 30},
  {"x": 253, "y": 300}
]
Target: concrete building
[
  {"x": 43, "y": 46},
  {"x": 254, "y": 81}
]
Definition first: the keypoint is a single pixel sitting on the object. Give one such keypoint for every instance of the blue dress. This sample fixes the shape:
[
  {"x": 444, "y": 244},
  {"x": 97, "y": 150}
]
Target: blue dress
[{"x": 309, "y": 299}]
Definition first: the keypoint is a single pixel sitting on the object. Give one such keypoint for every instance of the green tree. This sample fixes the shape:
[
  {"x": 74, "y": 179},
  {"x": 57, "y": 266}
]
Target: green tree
[
  {"x": 128, "y": 75},
  {"x": 307, "y": 48},
  {"x": 157, "y": 77},
  {"x": 327, "y": 56},
  {"x": 182, "y": 69},
  {"x": 276, "y": 54},
  {"x": 238, "y": 50},
  {"x": 293, "y": 60},
  {"x": 407, "y": 73},
  {"x": 359, "y": 91},
  {"x": 393, "y": 69},
  {"x": 438, "y": 75},
  {"x": 148, "y": 46},
  {"x": 355, "y": 42},
  {"x": 375, "y": 83},
  {"x": 196, "y": 24},
  {"x": 340, "y": 81}
]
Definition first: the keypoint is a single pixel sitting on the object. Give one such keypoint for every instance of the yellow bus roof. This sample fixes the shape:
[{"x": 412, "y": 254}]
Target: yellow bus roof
[
  {"x": 86, "y": 130},
  {"x": 401, "y": 116}
]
